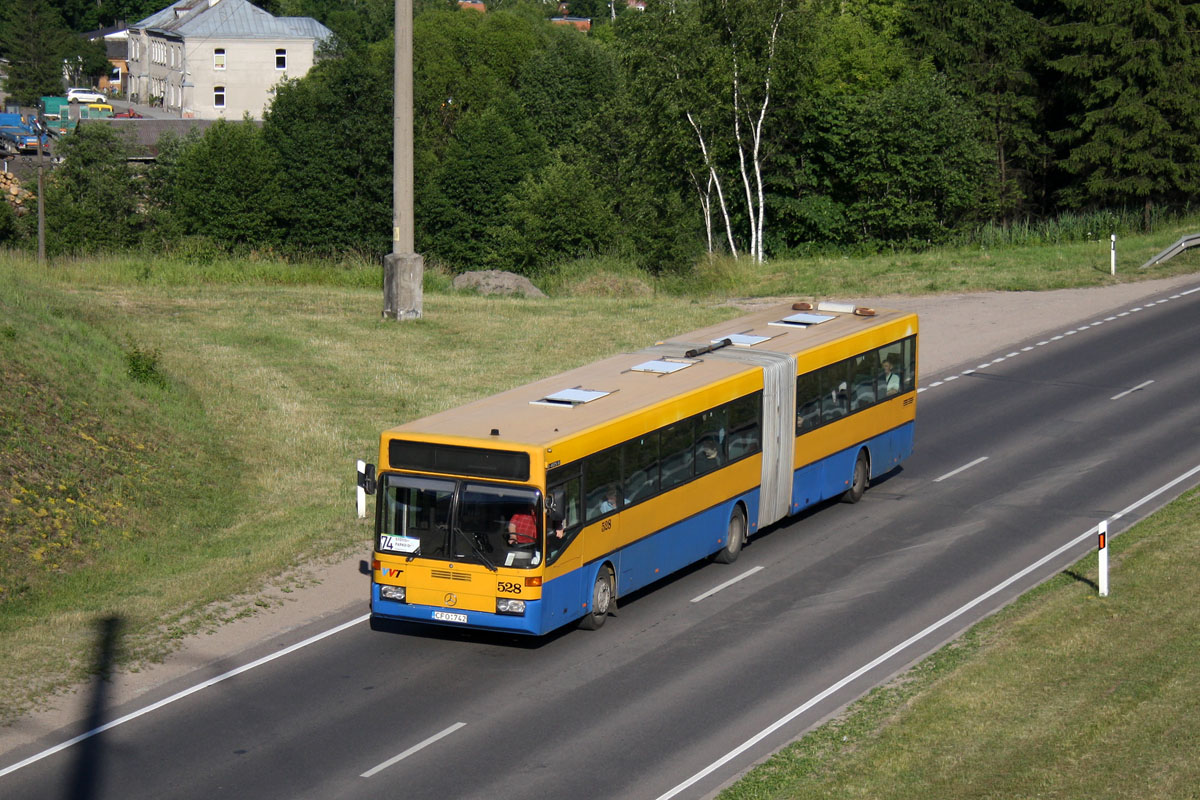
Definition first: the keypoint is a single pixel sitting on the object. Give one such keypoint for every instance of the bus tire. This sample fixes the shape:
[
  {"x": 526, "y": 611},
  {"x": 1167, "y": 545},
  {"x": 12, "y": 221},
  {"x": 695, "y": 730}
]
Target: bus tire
[
  {"x": 603, "y": 595},
  {"x": 734, "y": 540},
  {"x": 860, "y": 481}
]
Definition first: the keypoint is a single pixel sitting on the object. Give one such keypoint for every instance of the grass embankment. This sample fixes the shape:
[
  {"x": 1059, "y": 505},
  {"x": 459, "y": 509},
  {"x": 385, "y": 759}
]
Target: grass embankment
[
  {"x": 175, "y": 434},
  {"x": 1062, "y": 695}
]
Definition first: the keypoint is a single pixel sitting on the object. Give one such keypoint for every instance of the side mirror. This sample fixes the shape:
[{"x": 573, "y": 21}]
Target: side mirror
[
  {"x": 366, "y": 478},
  {"x": 365, "y": 485}
]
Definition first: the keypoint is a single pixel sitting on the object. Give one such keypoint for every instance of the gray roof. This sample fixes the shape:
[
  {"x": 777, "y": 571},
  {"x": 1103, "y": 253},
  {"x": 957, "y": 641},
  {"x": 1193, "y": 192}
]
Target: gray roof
[{"x": 229, "y": 19}]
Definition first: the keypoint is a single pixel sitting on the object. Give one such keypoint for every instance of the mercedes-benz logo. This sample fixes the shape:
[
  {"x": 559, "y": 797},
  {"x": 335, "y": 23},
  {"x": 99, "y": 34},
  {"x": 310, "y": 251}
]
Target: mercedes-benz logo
[{"x": 451, "y": 599}]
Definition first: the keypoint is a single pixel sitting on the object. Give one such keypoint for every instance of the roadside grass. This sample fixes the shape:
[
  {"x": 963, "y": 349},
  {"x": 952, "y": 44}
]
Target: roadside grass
[
  {"x": 177, "y": 434},
  {"x": 1063, "y": 694}
]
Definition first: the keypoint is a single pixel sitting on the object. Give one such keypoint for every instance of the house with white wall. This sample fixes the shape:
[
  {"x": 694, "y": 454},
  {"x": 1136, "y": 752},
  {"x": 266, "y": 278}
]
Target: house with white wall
[{"x": 208, "y": 59}]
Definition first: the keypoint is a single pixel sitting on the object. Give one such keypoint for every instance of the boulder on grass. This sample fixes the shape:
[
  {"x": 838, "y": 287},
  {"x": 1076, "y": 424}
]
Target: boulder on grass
[{"x": 495, "y": 281}]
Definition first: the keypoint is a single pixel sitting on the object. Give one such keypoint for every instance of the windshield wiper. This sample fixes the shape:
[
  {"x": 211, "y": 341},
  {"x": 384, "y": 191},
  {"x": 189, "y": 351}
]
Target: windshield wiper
[{"x": 475, "y": 547}]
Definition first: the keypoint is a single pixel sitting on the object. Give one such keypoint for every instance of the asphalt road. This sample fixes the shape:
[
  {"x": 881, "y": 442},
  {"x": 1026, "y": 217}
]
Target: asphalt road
[{"x": 1018, "y": 458}]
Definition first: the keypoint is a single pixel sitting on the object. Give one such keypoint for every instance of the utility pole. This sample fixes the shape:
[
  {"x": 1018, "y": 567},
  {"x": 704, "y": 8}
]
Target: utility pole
[
  {"x": 403, "y": 270},
  {"x": 39, "y": 127}
]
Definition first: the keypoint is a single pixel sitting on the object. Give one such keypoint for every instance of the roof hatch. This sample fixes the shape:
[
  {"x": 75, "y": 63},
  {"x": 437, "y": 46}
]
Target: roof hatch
[
  {"x": 744, "y": 339},
  {"x": 570, "y": 398},
  {"x": 802, "y": 320},
  {"x": 662, "y": 366}
]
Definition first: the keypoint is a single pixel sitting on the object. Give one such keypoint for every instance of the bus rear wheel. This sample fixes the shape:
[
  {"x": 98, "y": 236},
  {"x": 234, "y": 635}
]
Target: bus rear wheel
[
  {"x": 735, "y": 538},
  {"x": 603, "y": 592},
  {"x": 862, "y": 477}
]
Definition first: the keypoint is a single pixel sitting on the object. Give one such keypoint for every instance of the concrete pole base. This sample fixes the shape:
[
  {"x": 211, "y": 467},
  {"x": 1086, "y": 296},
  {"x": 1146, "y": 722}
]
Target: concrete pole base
[{"x": 403, "y": 296}]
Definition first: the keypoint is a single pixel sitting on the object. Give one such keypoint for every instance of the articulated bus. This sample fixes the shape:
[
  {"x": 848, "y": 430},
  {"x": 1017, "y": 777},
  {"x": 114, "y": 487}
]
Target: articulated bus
[{"x": 545, "y": 504}]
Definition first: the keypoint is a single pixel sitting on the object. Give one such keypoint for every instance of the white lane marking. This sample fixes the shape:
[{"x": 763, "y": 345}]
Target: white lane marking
[
  {"x": 413, "y": 749},
  {"x": 952, "y": 473},
  {"x": 1139, "y": 387},
  {"x": 184, "y": 693},
  {"x": 726, "y": 584},
  {"x": 791, "y": 715}
]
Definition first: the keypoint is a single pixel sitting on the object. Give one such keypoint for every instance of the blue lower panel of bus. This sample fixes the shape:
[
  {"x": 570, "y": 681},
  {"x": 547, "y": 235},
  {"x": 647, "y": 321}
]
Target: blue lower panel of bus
[
  {"x": 830, "y": 476},
  {"x": 530, "y": 623}
]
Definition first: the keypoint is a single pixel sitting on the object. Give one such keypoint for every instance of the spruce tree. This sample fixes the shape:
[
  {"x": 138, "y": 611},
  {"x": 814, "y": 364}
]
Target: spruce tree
[{"x": 1132, "y": 70}]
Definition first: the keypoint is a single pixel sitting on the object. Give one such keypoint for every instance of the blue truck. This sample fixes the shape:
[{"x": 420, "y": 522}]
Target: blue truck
[{"x": 17, "y": 135}]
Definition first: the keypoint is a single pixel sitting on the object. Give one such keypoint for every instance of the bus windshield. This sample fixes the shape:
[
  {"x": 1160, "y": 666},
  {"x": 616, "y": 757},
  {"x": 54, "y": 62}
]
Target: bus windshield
[{"x": 469, "y": 521}]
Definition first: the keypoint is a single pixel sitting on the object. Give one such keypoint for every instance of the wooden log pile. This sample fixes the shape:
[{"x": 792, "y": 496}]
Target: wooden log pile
[{"x": 22, "y": 200}]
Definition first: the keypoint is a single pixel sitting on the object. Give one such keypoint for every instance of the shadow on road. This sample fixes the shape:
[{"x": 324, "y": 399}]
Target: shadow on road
[{"x": 85, "y": 778}]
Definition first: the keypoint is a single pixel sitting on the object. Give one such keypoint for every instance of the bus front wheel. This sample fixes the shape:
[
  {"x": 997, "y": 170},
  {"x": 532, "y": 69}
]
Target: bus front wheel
[
  {"x": 603, "y": 591},
  {"x": 862, "y": 478},
  {"x": 735, "y": 538}
]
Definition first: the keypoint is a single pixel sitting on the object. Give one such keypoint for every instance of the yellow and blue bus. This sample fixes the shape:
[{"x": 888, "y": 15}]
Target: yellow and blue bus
[{"x": 545, "y": 504}]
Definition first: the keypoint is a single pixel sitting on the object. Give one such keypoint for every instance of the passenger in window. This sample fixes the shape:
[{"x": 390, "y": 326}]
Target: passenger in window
[
  {"x": 522, "y": 528},
  {"x": 708, "y": 455},
  {"x": 891, "y": 380},
  {"x": 609, "y": 503}
]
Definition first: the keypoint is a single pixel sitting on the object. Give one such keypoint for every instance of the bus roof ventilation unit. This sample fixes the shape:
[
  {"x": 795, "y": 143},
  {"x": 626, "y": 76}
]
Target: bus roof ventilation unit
[
  {"x": 802, "y": 320},
  {"x": 744, "y": 339},
  {"x": 661, "y": 366},
  {"x": 569, "y": 398},
  {"x": 840, "y": 308}
]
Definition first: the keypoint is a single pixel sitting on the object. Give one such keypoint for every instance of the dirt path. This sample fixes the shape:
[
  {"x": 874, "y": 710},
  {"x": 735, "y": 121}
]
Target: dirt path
[{"x": 955, "y": 329}]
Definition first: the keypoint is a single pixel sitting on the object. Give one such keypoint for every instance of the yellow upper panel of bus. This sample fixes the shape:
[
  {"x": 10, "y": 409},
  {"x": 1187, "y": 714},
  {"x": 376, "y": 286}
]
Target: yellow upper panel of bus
[{"x": 548, "y": 411}]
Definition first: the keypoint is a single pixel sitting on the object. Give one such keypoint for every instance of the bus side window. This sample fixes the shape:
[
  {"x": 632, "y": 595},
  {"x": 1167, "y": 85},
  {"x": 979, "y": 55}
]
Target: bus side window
[
  {"x": 862, "y": 392},
  {"x": 744, "y": 436},
  {"x": 710, "y": 440},
  {"x": 808, "y": 402},
  {"x": 678, "y": 449},
  {"x": 602, "y": 478},
  {"x": 835, "y": 400},
  {"x": 639, "y": 466},
  {"x": 892, "y": 372},
  {"x": 910, "y": 362},
  {"x": 566, "y": 500}
]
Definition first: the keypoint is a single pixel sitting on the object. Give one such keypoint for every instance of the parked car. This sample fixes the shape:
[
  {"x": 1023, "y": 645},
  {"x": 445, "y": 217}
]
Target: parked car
[
  {"x": 128, "y": 113},
  {"x": 81, "y": 95}
]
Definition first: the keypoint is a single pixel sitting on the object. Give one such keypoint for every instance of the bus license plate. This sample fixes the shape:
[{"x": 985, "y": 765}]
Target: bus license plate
[{"x": 449, "y": 616}]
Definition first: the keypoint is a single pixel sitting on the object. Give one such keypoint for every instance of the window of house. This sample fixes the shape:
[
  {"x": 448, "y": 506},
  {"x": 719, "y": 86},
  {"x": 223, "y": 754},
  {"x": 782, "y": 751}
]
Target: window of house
[
  {"x": 280, "y": 58},
  {"x": 219, "y": 96},
  {"x": 219, "y": 58}
]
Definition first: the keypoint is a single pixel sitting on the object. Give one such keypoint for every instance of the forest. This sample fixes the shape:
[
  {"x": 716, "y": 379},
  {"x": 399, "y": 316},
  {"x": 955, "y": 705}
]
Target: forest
[{"x": 758, "y": 129}]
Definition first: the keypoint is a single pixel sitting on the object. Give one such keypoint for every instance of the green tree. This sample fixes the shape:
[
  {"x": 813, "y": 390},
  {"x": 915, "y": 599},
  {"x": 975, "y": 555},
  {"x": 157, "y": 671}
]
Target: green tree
[
  {"x": 912, "y": 166},
  {"x": 995, "y": 50},
  {"x": 91, "y": 198},
  {"x": 709, "y": 72},
  {"x": 566, "y": 84},
  {"x": 9, "y": 230},
  {"x": 555, "y": 215},
  {"x": 1132, "y": 75},
  {"x": 225, "y": 186},
  {"x": 464, "y": 203},
  {"x": 84, "y": 60},
  {"x": 34, "y": 39},
  {"x": 333, "y": 131},
  {"x": 160, "y": 188}
]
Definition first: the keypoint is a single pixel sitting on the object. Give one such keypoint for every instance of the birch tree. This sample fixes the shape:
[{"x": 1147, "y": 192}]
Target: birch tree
[{"x": 708, "y": 68}]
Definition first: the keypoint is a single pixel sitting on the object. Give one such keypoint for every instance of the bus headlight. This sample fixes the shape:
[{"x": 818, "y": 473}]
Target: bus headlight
[
  {"x": 505, "y": 605},
  {"x": 391, "y": 592}
]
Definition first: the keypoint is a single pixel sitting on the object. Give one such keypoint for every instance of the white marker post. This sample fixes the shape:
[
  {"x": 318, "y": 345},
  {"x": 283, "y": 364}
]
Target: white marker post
[
  {"x": 362, "y": 492},
  {"x": 1112, "y": 257},
  {"x": 1103, "y": 528}
]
